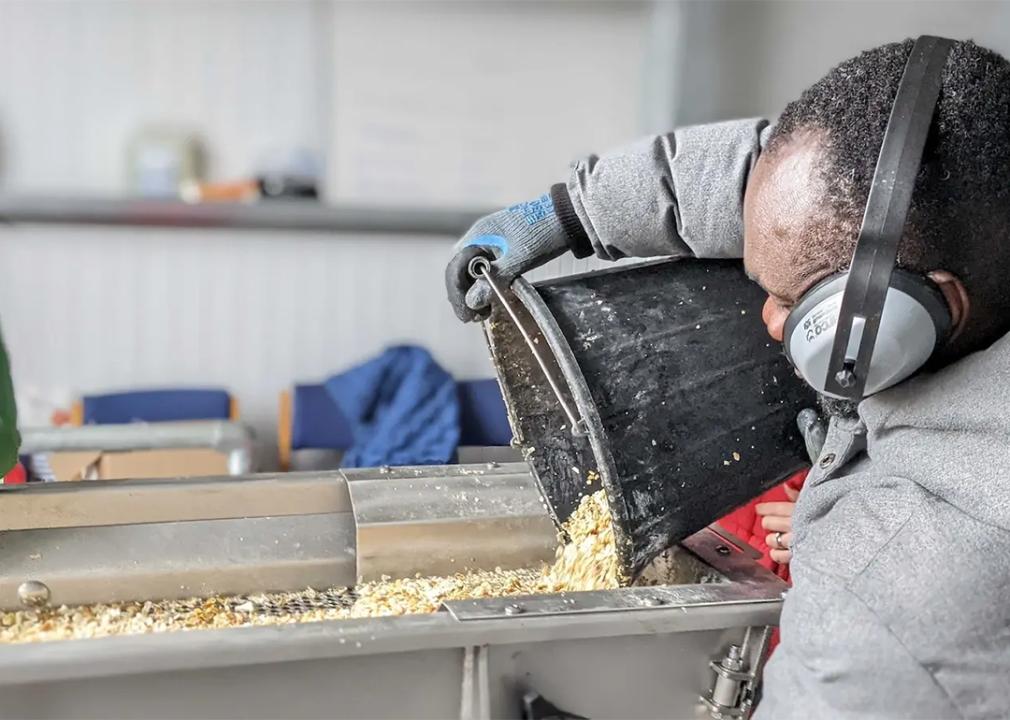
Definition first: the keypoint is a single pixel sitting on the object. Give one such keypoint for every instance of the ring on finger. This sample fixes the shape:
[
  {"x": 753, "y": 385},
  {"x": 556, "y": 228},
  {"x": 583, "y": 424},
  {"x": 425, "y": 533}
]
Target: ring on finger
[{"x": 779, "y": 545}]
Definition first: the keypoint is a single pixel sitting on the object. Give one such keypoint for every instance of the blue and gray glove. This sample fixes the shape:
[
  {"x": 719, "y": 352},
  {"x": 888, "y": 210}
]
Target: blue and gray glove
[{"x": 517, "y": 239}]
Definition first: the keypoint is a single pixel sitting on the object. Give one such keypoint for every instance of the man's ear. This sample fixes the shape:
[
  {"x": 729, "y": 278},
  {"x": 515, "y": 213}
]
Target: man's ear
[{"x": 956, "y": 296}]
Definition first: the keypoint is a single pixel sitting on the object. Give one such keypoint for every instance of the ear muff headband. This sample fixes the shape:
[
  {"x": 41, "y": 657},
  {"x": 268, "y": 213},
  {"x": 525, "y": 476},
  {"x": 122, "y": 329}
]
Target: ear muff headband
[{"x": 869, "y": 277}]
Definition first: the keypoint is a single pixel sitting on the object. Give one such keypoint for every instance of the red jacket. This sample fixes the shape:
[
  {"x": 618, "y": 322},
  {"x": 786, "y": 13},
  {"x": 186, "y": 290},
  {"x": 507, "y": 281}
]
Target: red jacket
[{"x": 745, "y": 523}]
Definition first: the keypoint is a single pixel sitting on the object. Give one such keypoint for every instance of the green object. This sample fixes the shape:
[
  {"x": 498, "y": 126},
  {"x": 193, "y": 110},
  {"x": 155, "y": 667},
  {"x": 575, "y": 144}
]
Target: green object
[{"x": 10, "y": 440}]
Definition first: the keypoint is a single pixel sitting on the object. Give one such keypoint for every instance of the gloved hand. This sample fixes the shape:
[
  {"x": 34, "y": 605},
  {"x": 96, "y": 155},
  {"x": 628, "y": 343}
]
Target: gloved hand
[
  {"x": 519, "y": 238},
  {"x": 813, "y": 430}
]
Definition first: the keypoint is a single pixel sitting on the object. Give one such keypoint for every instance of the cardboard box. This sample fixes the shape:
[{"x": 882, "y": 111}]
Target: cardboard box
[
  {"x": 74, "y": 465},
  {"x": 163, "y": 463},
  {"x": 99, "y": 465}
]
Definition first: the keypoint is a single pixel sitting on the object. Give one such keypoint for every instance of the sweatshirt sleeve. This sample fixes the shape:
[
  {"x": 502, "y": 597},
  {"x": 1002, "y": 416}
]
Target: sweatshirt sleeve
[{"x": 675, "y": 194}]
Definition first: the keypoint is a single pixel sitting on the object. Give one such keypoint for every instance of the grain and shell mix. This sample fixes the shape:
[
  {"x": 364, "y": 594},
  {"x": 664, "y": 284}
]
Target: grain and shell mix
[{"x": 587, "y": 562}]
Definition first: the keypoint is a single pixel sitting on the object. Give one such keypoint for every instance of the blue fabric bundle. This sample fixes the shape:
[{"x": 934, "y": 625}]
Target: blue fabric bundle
[{"x": 402, "y": 407}]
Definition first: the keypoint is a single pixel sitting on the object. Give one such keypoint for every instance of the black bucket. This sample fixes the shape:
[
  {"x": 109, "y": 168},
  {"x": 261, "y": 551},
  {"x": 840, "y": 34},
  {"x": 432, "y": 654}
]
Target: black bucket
[{"x": 684, "y": 407}]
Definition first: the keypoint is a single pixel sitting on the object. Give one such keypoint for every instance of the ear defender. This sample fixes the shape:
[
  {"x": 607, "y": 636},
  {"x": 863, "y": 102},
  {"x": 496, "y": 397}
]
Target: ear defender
[
  {"x": 915, "y": 321},
  {"x": 868, "y": 328}
]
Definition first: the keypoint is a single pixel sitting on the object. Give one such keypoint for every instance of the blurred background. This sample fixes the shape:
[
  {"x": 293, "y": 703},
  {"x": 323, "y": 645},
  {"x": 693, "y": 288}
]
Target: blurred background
[{"x": 251, "y": 194}]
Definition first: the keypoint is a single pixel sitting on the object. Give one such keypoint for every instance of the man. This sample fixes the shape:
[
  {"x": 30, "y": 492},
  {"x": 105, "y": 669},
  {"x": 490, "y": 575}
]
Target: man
[{"x": 901, "y": 536}]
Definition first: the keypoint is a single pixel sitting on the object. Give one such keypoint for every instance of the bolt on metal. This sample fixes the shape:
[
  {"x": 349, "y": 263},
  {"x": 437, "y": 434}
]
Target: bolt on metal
[
  {"x": 845, "y": 378},
  {"x": 33, "y": 593}
]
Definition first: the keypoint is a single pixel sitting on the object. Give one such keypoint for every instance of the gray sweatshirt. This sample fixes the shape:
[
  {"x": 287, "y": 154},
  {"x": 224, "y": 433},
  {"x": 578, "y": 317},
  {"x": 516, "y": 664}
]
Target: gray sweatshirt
[
  {"x": 901, "y": 565},
  {"x": 675, "y": 194},
  {"x": 901, "y": 557}
]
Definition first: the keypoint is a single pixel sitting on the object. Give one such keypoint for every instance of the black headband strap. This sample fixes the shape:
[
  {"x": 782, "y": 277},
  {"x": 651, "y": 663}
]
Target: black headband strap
[{"x": 884, "y": 220}]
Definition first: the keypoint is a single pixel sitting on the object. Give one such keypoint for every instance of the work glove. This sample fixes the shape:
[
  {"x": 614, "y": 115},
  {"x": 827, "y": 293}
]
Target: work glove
[
  {"x": 813, "y": 430},
  {"x": 517, "y": 239}
]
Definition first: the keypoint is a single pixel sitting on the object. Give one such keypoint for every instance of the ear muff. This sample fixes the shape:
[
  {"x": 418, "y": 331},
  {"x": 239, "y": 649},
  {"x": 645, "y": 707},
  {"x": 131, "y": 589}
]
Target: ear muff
[
  {"x": 872, "y": 326},
  {"x": 914, "y": 322}
]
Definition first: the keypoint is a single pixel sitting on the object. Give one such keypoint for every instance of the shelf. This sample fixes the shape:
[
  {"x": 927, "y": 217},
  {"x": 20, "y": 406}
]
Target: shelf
[{"x": 301, "y": 215}]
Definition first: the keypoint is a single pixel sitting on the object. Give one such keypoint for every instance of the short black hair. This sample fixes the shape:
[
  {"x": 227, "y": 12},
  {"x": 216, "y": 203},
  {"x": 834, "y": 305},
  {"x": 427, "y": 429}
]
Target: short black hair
[{"x": 960, "y": 214}]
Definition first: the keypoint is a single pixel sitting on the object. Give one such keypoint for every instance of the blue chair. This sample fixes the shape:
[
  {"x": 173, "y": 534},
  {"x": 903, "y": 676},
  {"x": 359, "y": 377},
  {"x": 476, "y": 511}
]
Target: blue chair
[
  {"x": 483, "y": 419},
  {"x": 156, "y": 406},
  {"x": 310, "y": 419}
]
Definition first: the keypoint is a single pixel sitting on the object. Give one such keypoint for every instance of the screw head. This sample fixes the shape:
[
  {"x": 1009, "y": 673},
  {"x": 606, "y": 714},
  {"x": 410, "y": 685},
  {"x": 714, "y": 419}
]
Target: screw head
[
  {"x": 514, "y": 609},
  {"x": 33, "y": 593},
  {"x": 845, "y": 378}
]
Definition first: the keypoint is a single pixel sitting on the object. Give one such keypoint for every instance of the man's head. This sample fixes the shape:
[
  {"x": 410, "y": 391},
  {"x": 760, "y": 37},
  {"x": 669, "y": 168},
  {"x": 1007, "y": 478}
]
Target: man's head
[{"x": 805, "y": 198}]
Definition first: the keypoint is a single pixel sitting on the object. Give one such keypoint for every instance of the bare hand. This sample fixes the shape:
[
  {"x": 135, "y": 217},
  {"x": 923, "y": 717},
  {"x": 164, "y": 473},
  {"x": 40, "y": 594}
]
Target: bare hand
[{"x": 777, "y": 519}]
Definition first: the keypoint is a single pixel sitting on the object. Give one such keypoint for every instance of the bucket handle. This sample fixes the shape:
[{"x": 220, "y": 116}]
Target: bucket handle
[{"x": 480, "y": 267}]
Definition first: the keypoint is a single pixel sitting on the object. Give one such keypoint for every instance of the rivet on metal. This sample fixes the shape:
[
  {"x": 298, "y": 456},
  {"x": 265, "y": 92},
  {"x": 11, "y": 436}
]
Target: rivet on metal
[
  {"x": 33, "y": 593},
  {"x": 722, "y": 550}
]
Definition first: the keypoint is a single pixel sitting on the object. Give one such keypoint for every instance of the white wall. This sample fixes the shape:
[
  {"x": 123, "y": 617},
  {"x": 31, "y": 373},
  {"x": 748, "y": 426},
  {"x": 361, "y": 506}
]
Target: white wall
[
  {"x": 410, "y": 103},
  {"x": 414, "y": 103},
  {"x": 751, "y": 57},
  {"x": 452, "y": 103},
  {"x": 97, "y": 309},
  {"x": 478, "y": 103},
  {"x": 79, "y": 77}
]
